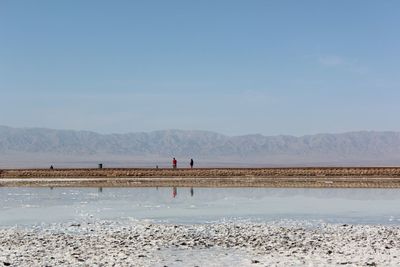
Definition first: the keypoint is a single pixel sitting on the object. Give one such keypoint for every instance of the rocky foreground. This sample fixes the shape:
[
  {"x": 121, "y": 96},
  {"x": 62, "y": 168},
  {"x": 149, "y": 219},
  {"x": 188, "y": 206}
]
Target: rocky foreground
[{"x": 140, "y": 243}]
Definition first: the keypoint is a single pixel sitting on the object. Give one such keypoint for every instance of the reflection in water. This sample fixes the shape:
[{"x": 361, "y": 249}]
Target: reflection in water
[
  {"x": 174, "y": 192},
  {"x": 36, "y": 205}
]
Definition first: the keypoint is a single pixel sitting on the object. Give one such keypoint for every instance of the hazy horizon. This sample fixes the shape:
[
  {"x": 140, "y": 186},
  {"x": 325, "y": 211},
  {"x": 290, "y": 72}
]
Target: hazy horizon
[
  {"x": 197, "y": 130},
  {"x": 39, "y": 147}
]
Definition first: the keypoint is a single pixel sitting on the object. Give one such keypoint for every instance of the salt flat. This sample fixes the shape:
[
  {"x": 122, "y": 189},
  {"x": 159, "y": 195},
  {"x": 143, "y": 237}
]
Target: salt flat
[
  {"x": 199, "y": 227},
  {"x": 143, "y": 243}
]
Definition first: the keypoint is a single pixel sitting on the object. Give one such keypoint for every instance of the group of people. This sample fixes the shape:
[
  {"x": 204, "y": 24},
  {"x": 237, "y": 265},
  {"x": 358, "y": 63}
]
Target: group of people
[{"x": 175, "y": 163}]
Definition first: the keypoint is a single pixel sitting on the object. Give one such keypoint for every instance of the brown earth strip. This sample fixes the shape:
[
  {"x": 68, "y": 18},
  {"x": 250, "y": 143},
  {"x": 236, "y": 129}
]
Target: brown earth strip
[
  {"x": 330, "y": 177},
  {"x": 205, "y": 172}
]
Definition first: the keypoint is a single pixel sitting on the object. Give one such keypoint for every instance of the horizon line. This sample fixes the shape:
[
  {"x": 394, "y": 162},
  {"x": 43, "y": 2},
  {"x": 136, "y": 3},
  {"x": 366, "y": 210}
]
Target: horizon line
[{"x": 196, "y": 130}]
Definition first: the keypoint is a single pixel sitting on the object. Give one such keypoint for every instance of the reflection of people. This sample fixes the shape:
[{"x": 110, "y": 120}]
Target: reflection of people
[
  {"x": 174, "y": 163},
  {"x": 174, "y": 192},
  {"x": 191, "y": 191},
  {"x": 191, "y": 163}
]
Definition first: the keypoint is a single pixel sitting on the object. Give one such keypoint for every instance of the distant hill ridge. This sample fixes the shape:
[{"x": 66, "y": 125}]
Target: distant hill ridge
[{"x": 362, "y": 147}]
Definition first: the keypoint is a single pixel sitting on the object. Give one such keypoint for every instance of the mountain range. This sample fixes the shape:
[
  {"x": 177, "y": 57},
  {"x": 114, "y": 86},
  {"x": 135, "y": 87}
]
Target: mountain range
[{"x": 39, "y": 147}]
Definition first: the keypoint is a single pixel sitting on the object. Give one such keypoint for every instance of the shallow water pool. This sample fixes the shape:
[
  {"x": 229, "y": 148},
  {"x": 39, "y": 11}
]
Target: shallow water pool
[{"x": 32, "y": 206}]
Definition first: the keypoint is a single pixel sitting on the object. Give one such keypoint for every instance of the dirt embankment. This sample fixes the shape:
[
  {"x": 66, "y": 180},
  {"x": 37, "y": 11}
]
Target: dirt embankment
[
  {"x": 203, "y": 177},
  {"x": 205, "y": 172}
]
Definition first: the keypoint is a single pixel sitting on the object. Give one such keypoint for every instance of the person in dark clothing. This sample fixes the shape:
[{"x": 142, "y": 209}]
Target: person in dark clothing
[{"x": 191, "y": 163}]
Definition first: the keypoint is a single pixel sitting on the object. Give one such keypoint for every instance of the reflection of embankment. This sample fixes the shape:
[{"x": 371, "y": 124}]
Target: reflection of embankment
[{"x": 380, "y": 177}]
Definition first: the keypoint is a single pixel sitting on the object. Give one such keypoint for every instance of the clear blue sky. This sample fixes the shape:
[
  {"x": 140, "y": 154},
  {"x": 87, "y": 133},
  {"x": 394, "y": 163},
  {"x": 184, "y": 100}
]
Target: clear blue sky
[{"x": 235, "y": 67}]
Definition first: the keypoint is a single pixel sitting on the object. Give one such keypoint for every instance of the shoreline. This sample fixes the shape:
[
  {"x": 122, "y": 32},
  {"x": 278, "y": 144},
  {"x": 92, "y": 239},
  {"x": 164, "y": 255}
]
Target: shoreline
[{"x": 309, "y": 177}]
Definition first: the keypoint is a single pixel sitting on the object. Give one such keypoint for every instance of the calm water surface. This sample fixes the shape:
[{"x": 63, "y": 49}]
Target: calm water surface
[{"x": 30, "y": 206}]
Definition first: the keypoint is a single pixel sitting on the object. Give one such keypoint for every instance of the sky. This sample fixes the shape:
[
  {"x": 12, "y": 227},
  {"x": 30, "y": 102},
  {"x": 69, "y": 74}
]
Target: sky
[{"x": 229, "y": 66}]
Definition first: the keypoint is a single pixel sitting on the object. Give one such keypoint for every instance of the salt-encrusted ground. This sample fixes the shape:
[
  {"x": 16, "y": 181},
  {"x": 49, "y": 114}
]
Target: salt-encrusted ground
[{"x": 141, "y": 243}]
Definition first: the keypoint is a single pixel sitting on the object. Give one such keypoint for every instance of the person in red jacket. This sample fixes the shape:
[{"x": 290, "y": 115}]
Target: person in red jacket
[{"x": 174, "y": 163}]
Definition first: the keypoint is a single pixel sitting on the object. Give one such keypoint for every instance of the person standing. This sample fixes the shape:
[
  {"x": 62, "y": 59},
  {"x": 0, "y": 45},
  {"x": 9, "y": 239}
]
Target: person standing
[
  {"x": 191, "y": 163},
  {"x": 174, "y": 163}
]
